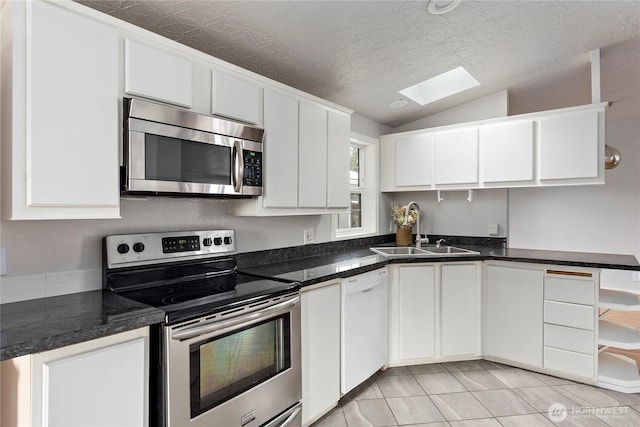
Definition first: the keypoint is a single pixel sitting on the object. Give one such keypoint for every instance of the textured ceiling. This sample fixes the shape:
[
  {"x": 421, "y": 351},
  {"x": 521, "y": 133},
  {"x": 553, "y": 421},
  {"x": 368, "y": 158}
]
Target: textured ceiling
[{"x": 360, "y": 53}]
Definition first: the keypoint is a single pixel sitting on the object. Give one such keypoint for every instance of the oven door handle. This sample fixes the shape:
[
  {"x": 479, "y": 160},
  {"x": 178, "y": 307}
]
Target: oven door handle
[{"x": 239, "y": 321}]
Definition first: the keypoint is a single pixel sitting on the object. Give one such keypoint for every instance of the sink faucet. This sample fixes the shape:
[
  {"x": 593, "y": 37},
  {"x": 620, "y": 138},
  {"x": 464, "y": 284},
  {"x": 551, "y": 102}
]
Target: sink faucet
[
  {"x": 439, "y": 242},
  {"x": 419, "y": 239}
]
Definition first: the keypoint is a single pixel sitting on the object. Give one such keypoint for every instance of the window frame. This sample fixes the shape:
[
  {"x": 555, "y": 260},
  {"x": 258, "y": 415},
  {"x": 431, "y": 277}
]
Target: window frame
[{"x": 368, "y": 189}]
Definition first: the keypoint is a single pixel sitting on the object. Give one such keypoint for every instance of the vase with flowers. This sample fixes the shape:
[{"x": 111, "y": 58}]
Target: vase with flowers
[{"x": 403, "y": 231}]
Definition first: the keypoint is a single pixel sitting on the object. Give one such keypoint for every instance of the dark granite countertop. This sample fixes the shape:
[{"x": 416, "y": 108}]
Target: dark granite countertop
[
  {"x": 38, "y": 325},
  {"x": 321, "y": 268}
]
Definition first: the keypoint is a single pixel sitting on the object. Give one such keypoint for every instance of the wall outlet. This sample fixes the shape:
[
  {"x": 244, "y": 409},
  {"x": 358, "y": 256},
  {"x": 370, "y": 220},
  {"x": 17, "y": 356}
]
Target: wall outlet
[
  {"x": 635, "y": 276},
  {"x": 309, "y": 235},
  {"x": 493, "y": 229}
]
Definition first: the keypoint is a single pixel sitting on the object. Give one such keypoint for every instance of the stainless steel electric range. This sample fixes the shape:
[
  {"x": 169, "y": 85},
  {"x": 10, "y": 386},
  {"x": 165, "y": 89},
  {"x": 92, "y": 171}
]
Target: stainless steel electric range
[{"x": 228, "y": 353}]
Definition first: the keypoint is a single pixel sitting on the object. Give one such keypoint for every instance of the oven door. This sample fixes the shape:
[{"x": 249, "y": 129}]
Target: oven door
[
  {"x": 163, "y": 158},
  {"x": 235, "y": 369}
]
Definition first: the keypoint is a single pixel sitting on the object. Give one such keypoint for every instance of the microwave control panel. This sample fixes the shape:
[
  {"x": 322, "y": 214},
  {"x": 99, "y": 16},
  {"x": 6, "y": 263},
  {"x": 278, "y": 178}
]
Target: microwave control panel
[{"x": 252, "y": 168}]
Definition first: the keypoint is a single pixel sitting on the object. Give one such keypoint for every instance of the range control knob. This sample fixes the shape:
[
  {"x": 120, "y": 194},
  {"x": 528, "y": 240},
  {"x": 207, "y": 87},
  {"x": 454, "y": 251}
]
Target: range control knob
[
  {"x": 217, "y": 241},
  {"x": 138, "y": 247},
  {"x": 207, "y": 241},
  {"x": 123, "y": 248},
  {"x": 227, "y": 240}
]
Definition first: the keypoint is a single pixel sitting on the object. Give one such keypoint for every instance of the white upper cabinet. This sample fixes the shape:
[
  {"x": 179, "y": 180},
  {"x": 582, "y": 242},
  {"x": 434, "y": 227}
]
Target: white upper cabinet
[
  {"x": 280, "y": 148},
  {"x": 312, "y": 145},
  {"x": 235, "y": 98},
  {"x": 414, "y": 157},
  {"x": 506, "y": 152},
  {"x": 569, "y": 146},
  {"x": 456, "y": 156},
  {"x": 549, "y": 148},
  {"x": 338, "y": 155},
  {"x": 60, "y": 126},
  {"x": 157, "y": 74}
]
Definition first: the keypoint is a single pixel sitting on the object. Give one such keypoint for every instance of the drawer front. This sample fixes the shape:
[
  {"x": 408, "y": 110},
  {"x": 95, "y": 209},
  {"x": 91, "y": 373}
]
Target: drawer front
[
  {"x": 567, "y": 361},
  {"x": 573, "y": 339},
  {"x": 569, "y": 289},
  {"x": 576, "y": 316}
]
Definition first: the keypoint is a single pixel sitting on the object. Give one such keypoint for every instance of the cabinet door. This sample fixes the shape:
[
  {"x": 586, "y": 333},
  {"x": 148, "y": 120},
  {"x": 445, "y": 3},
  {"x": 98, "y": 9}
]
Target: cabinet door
[
  {"x": 339, "y": 129},
  {"x": 414, "y": 156},
  {"x": 101, "y": 383},
  {"x": 416, "y": 312},
  {"x": 460, "y": 309},
  {"x": 156, "y": 74},
  {"x": 320, "y": 351},
  {"x": 72, "y": 115},
  {"x": 235, "y": 98},
  {"x": 456, "y": 156},
  {"x": 514, "y": 314},
  {"x": 506, "y": 152},
  {"x": 312, "y": 143},
  {"x": 569, "y": 146},
  {"x": 280, "y": 150}
]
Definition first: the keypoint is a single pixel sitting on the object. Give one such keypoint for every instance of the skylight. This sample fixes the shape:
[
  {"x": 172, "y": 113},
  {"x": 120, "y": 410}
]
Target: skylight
[{"x": 441, "y": 86}]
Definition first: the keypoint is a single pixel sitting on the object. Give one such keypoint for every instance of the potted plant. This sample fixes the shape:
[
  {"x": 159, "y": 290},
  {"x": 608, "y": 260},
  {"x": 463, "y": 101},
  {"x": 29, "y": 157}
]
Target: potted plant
[{"x": 403, "y": 231}]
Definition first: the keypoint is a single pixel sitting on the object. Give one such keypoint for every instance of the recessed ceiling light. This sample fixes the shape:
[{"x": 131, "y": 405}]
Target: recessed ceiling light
[
  {"x": 398, "y": 103},
  {"x": 441, "y": 86},
  {"x": 440, "y": 7}
]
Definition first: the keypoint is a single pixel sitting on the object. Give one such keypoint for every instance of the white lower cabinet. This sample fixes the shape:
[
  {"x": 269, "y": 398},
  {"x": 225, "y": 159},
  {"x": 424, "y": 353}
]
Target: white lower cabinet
[
  {"x": 101, "y": 383},
  {"x": 435, "y": 312},
  {"x": 320, "y": 350},
  {"x": 513, "y": 326}
]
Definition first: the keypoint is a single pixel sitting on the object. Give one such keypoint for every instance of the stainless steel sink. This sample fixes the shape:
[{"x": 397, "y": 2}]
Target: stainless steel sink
[{"x": 424, "y": 252}]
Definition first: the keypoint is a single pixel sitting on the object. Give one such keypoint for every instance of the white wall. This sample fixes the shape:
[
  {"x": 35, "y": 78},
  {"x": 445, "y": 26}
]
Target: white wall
[{"x": 488, "y": 107}]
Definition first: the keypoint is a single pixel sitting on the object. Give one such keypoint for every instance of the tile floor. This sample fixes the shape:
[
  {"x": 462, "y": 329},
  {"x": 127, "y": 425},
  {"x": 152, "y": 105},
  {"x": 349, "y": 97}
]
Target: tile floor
[{"x": 478, "y": 393}]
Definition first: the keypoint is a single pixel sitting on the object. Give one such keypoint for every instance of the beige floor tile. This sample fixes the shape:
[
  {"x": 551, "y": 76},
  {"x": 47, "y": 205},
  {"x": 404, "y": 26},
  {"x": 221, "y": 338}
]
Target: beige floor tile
[
  {"x": 587, "y": 396},
  {"x": 516, "y": 378},
  {"x": 398, "y": 370},
  {"x": 478, "y": 380},
  {"x": 439, "y": 383},
  {"x": 541, "y": 398},
  {"x": 431, "y": 368},
  {"x": 414, "y": 410},
  {"x": 467, "y": 365},
  {"x": 459, "y": 406},
  {"x": 399, "y": 386},
  {"x": 484, "y": 422},
  {"x": 374, "y": 412},
  {"x": 503, "y": 402},
  {"x": 624, "y": 398},
  {"x": 367, "y": 390},
  {"x": 335, "y": 418},
  {"x": 530, "y": 420},
  {"x": 621, "y": 416},
  {"x": 577, "y": 420},
  {"x": 549, "y": 380},
  {"x": 487, "y": 364}
]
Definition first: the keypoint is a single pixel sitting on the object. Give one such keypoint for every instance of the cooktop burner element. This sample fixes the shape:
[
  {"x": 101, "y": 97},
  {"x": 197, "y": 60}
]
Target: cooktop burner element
[{"x": 187, "y": 274}]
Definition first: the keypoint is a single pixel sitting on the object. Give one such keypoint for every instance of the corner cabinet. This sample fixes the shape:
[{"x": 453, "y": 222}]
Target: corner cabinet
[
  {"x": 80, "y": 385},
  {"x": 60, "y": 126},
  {"x": 549, "y": 148},
  {"x": 306, "y": 158},
  {"x": 434, "y": 312}
]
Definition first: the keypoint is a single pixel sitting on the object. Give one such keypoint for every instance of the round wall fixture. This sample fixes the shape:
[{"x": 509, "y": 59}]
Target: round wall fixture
[
  {"x": 440, "y": 7},
  {"x": 611, "y": 157},
  {"x": 398, "y": 103}
]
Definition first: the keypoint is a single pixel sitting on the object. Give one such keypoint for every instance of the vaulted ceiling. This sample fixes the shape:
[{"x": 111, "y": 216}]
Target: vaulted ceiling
[{"x": 360, "y": 53}]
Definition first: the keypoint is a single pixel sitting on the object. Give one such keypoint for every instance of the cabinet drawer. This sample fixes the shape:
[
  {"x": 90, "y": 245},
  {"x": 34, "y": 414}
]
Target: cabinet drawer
[
  {"x": 567, "y": 361},
  {"x": 572, "y": 339},
  {"x": 574, "y": 315},
  {"x": 569, "y": 289}
]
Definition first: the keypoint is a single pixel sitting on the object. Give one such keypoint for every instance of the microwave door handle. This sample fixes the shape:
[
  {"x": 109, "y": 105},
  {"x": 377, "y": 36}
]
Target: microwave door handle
[{"x": 238, "y": 166}]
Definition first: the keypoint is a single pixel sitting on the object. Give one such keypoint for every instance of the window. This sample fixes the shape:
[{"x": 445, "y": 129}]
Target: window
[{"x": 362, "y": 217}]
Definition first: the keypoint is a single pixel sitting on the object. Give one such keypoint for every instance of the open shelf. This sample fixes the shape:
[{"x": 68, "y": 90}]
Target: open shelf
[
  {"x": 612, "y": 334},
  {"x": 618, "y": 300},
  {"x": 618, "y": 372}
]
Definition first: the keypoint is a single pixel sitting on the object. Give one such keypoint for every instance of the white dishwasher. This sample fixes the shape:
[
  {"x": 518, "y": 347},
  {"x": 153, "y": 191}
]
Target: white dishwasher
[{"x": 364, "y": 348}]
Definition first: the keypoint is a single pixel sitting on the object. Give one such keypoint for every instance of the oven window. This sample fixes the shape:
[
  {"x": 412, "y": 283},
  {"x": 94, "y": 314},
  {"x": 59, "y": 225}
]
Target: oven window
[
  {"x": 173, "y": 159},
  {"x": 225, "y": 366}
]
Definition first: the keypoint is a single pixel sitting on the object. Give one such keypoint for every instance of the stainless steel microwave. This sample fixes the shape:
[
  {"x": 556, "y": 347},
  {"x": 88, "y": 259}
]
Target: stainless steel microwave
[{"x": 170, "y": 151}]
